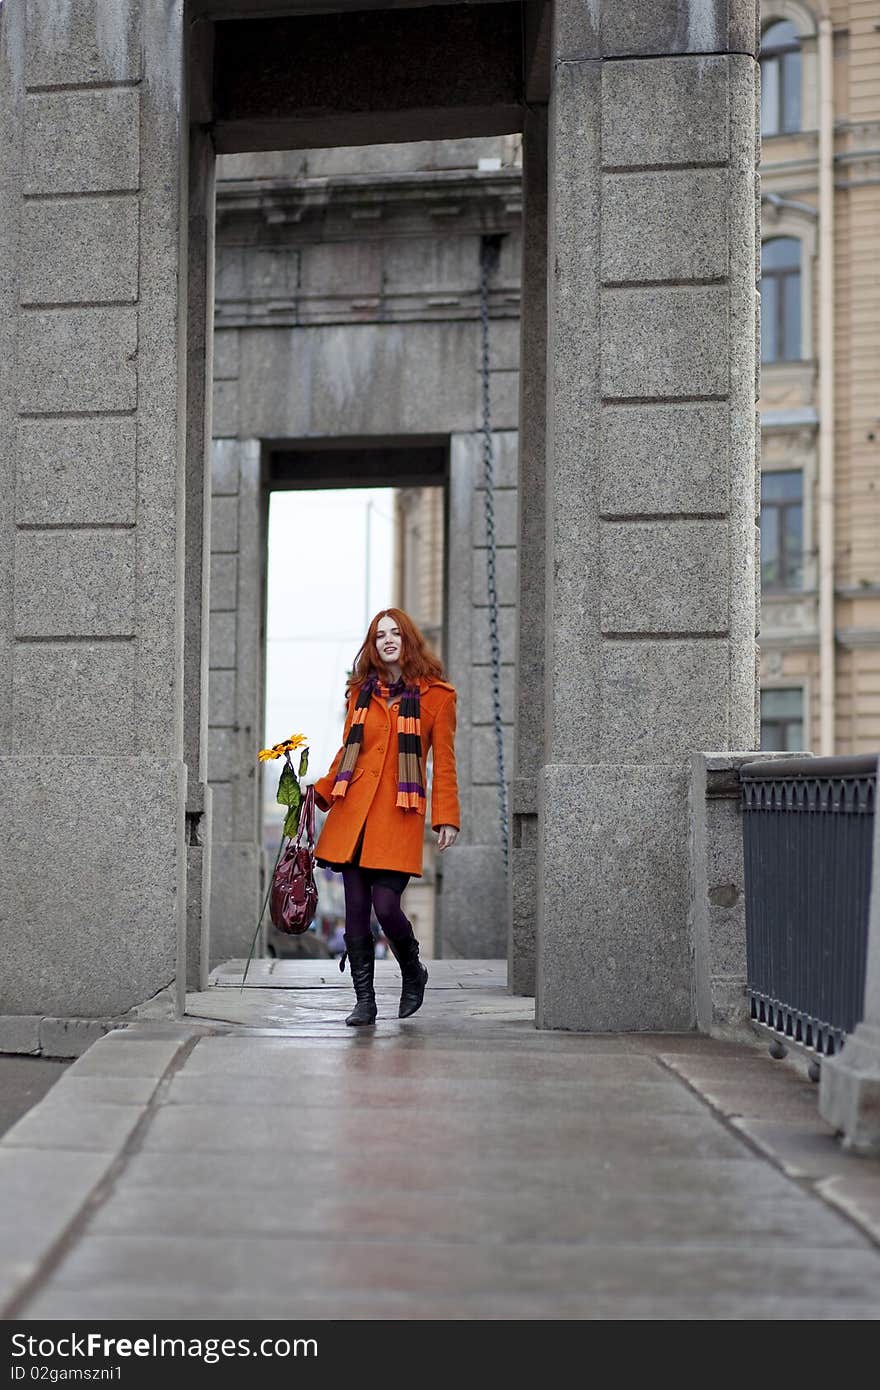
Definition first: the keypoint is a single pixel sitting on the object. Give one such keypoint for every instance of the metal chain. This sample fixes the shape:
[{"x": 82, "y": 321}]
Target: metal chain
[{"x": 488, "y": 262}]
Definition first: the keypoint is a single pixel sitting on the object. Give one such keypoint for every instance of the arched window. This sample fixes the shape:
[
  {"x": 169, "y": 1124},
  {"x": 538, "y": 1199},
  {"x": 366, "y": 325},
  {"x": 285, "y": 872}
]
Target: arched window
[
  {"x": 780, "y": 78},
  {"x": 781, "y": 300}
]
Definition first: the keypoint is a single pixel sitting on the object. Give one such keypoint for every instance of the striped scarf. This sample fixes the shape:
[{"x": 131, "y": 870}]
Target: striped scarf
[{"x": 410, "y": 777}]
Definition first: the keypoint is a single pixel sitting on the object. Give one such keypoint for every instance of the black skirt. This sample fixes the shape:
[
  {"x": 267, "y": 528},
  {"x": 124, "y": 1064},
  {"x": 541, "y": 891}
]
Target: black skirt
[{"x": 394, "y": 879}]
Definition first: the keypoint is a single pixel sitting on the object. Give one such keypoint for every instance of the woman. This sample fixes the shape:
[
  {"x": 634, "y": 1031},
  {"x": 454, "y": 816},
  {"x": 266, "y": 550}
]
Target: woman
[{"x": 399, "y": 707}]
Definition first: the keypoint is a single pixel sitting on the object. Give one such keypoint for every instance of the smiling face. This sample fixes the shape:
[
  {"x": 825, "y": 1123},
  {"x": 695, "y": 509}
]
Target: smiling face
[{"x": 389, "y": 642}]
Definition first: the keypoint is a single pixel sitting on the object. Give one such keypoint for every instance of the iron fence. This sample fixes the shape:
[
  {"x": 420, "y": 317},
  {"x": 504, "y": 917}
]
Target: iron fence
[{"x": 807, "y": 842}]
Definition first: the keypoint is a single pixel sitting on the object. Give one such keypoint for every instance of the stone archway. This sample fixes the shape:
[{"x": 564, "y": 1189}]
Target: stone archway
[{"x": 638, "y": 641}]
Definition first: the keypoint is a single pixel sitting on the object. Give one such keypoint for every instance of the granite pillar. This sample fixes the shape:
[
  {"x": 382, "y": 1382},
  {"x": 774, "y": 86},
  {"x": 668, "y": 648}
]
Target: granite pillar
[
  {"x": 650, "y": 600},
  {"x": 92, "y": 399},
  {"x": 200, "y": 317},
  {"x": 238, "y": 551}
]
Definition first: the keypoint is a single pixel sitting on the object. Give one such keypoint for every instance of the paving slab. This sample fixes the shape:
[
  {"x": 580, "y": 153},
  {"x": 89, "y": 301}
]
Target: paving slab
[{"x": 43, "y": 1191}]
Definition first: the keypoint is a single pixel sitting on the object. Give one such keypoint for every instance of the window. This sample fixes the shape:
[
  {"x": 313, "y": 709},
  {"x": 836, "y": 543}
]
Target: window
[
  {"x": 782, "y": 720},
  {"x": 782, "y": 529},
  {"x": 780, "y": 78},
  {"x": 781, "y": 300}
]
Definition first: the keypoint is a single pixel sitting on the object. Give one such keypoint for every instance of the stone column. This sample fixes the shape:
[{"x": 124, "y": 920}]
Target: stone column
[
  {"x": 198, "y": 551},
  {"x": 650, "y": 488},
  {"x": 849, "y": 1092},
  {"x": 472, "y": 899},
  {"x": 531, "y": 539},
  {"x": 238, "y": 551},
  {"x": 92, "y": 777}
]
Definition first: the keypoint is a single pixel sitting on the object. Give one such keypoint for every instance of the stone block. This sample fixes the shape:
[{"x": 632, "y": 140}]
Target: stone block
[
  {"x": 505, "y": 457},
  {"x": 74, "y": 1126},
  {"x": 484, "y": 768},
  {"x": 380, "y": 391},
  {"x": 125, "y": 1053},
  {"x": 223, "y": 812},
  {"x": 224, "y": 576},
  {"x": 504, "y": 389},
  {"x": 655, "y": 27},
  {"x": 78, "y": 251},
  {"x": 226, "y": 354},
  {"x": 480, "y": 649},
  {"x": 99, "y": 933},
  {"x": 225, "y": 468},
  {"x": 506, "y": 635},
  {"x": 505, "y": 576},
  {"x": 229, "y": 275},
  {"x": 436, "y": 264},
  {"x": 71, "y": 1037},
  {"x": 662, "y": 699},
  {"x": 662, "y": 459},
  {"x": 79, "y": 42},
  {"x": 356, "y": 268},
  {"x": 664, "y": 576},
  {"x": 222, "y": 641},
  {"x": 75, "y": 471},
  {"x": 482, "y": 708},
  {"x": 76, "y": 697},
  {"x": 665, "y": 342},
  {"x": 224, "y": 751},
  {"x": 224, "y": 525},
  {"x": 74, "y": 583},
  {"x": 481, "y": 825},
  {"x": 472, "y": 904},
  {"x": 82, "y": 142},
  {"x": 505, "y": 517},
  {"x": 614, "y": 949},
  {"x": 272, "y": 271},
  {"x": 665, "y": 111},
  {"x": 77, "y": 360},
  {"x": 225, "y": 414},
  {"x": 222, "y": 697},
  {"x": 20, "y": 1033},
  {"x": 669, "y": 225}
]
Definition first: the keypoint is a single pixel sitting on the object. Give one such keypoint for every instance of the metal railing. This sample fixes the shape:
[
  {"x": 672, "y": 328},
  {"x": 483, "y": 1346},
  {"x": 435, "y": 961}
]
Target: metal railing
[{"x": 807, "y": 843}]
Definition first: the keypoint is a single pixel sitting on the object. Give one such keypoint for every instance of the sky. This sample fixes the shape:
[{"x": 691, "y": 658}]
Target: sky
[{"x": 319, "y": 608}]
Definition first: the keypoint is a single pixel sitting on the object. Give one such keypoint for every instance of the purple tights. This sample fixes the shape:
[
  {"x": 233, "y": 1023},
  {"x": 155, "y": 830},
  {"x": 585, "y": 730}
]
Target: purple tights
[{"x": 358, "y": 896}]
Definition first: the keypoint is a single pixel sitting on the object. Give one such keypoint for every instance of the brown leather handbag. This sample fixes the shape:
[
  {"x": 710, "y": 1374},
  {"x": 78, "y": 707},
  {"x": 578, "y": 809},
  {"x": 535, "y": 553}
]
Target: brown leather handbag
[{"x": 293, "y": 900}]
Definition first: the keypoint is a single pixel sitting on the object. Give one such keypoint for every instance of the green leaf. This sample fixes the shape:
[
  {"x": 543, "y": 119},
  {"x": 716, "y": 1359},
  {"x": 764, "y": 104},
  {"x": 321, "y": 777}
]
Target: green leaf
[
  {"x": 289, "y": 793},
  {"x": 291, "y": 820},
  {"x": 304, "y": 762}
]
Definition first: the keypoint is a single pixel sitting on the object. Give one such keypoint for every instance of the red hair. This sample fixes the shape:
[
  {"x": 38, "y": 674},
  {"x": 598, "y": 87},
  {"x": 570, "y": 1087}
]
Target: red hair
[{"x": 416, "y": 657}]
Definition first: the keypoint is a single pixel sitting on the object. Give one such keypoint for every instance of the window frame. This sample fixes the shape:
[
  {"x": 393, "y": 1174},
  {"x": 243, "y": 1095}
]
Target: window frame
[
  {"x": 778, "y": 54},
  {"x": 779, "y": 276},
  {"x": 786, "y": 685},
  {"x": 783, "y": 505}
]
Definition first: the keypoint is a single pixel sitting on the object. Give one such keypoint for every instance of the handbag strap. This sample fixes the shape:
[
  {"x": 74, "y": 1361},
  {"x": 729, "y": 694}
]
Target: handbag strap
[{"x": 307, "y": 817}]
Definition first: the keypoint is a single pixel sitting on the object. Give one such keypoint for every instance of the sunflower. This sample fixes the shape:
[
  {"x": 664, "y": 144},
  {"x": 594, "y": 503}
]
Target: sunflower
[{"x": 278, "y": 750}]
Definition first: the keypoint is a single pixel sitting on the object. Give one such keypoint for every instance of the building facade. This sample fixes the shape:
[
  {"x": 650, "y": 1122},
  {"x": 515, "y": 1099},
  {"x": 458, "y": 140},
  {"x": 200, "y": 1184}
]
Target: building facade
[{"x": 820, "y": 393}]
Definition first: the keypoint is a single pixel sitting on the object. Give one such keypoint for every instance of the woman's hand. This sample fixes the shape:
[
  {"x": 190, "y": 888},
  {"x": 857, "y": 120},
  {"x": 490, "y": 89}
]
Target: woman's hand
[{"x": 446, "y": 836}]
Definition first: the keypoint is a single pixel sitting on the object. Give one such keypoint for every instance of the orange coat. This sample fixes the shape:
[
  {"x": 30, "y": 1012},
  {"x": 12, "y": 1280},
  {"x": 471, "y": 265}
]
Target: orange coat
[{"x": 393, "y": 837}]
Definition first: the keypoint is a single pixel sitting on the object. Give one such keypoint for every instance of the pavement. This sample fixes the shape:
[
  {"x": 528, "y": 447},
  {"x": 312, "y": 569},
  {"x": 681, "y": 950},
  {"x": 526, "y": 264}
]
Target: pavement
[{"x": 259, "y": 1160}]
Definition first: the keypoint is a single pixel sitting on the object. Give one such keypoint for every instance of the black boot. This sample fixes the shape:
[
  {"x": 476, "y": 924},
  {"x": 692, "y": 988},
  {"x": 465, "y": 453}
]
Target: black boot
[
  {"x": 361, "y": 959},
  {"x": 413, "y": 974}
]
